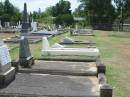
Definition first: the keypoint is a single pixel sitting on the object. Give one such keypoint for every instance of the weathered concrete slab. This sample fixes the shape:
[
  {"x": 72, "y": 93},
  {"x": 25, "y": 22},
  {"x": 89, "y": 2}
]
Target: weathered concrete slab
[
  {"x": 34, "y": 85},
  {"x": 63, "y": 68}
]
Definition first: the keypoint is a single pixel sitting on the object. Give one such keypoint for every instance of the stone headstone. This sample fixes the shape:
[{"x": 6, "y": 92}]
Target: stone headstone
[
  {"x": 25, "y": 22},
  {"x": 45, "y": 44},
  {"x": 34, "y": 26},
  {"x": 7, "y": 73},
  {"x": 25, "y": 58},
  {"x": 0, "y": 25},
  {"x": 19, "y": 25},
  {"x": 68, "y": 40},
  {"x": 7, "y": 24}
]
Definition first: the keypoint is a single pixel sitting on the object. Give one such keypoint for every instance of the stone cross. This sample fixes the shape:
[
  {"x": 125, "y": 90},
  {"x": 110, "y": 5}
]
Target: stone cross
[
  {"x": 25, "y": 58},
  {"x": 7, "y": 73}
]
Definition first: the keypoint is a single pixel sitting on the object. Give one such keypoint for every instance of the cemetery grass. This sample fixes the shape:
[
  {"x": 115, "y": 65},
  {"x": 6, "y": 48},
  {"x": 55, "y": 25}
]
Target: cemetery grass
[{"x": 115, "y": 54}]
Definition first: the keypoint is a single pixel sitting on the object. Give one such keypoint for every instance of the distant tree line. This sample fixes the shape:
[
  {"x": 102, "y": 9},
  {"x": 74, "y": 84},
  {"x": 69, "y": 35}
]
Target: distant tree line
[
  {"x": 103, "y": 12},
  {"x": 60, "y": 13},
  {"x": 8, "y": 12}
]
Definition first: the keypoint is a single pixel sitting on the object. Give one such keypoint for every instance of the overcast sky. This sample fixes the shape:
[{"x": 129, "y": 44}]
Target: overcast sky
[{"x": 34, "y": 5}]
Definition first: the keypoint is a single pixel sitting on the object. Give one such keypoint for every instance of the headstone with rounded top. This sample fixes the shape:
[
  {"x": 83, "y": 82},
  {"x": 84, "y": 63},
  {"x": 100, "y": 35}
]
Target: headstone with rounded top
[
  {"x": 68, "y": 40},
  {"x": 7, "y": 73}
]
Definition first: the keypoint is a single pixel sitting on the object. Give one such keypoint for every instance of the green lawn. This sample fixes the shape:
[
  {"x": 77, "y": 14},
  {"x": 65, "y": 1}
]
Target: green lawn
[{"x": 115, "y": 53}]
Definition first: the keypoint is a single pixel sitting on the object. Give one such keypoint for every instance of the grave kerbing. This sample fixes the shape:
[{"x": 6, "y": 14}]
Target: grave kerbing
[
  {"x": 25, "y": 58},
  {"x": 7, "y": 73}
]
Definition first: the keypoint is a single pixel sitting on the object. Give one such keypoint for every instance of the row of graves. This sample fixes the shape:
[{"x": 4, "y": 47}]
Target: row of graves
[
  {"x": 59, "y": 72},
  {"x": 32, "y": 33}
]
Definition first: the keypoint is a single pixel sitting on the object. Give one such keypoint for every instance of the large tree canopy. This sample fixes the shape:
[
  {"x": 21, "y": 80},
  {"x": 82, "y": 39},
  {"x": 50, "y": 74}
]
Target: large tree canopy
[
  {"x": 100, "y": 12},
  {"x": 62, "y": 13},
  {"x": 8, "y": 12}
]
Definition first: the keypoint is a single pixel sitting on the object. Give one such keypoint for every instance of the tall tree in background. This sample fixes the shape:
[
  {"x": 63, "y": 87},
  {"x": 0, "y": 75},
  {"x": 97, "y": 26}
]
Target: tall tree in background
[
  {"x": 62, "y": 13},
  {"x": 8, "y": 12},
  {"x": 122, "y": 8},
  {"x": 101, "y": 11}
]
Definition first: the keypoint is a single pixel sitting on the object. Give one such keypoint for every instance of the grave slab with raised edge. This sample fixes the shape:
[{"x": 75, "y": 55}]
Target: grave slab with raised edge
[
  {"x": 62, "y": 68},
  {"x": 40, "y": 85},
  {"x": 88, "y": 52},
  {"x": 7, "y": 73}
]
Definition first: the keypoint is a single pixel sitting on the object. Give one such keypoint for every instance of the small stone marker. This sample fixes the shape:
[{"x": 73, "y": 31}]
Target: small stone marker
[
  {"x": 25, "y": 58},
  {"x": 7, "y": 73},
  {"x": 68, "y": 40}
]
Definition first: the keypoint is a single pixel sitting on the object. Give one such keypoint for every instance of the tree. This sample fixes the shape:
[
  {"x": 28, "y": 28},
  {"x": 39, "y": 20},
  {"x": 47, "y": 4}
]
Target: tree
[
  {"x": 8, "y": 12},
  {"x": 123, "y": 10},
  {"x": 101, "y": 12},
  {"x": 79, "y": 12},
  {"x": 62, "y": 13}
]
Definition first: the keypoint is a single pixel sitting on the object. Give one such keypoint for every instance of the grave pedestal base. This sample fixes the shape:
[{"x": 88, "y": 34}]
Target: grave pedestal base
[
  {"x": 26, "y": 63},
  {"x": 7, "y": 77}
]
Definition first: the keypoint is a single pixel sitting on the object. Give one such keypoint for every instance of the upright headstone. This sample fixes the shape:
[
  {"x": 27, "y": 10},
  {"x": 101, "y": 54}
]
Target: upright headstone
[
  {"x": 25, "y": 58},
  {"x": 7, "y": 24},
  {"x": 34, "y": 26},
  {"x": 0, "y": 25},
  {"x": 7, "y": 73},
  {"x": 19, "y": 25},
  {"x": 25, "y": 22}
]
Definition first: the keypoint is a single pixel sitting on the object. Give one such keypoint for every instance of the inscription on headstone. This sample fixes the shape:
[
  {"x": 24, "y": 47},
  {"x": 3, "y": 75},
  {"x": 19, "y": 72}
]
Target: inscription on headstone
[
  {"x": 4, "y": 55},
  {"x": 7, "y": 73}
]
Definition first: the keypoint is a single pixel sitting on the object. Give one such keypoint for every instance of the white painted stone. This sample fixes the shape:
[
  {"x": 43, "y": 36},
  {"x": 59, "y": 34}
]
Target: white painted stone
[
  {"x": 4, "y": 55},
  {"x": 19, "y": 26},
  {"x": 45, "y": 42},
  {"x": 34, "y": 26},
  {"x": 57, "y": 45},
  {"x": 92, "y": 52}
]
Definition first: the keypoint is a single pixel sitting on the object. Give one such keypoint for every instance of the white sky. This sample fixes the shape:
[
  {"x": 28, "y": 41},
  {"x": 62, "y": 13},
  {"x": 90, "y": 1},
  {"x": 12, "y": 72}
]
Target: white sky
[{"x": 34, "y": 5}]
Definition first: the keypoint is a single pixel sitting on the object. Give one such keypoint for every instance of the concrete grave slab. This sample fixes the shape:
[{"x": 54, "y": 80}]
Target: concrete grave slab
[
  {"x": 62, "y": 68},
  {"x": 30, "y": 85}
]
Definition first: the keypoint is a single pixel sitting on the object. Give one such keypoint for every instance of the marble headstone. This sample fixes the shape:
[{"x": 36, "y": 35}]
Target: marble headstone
[
  {"x": 7, "y": 73},
  {"x": 19, "y": 25},
  {"x": 34, "y": 26},
  {"x": 25, "y": 58}
]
